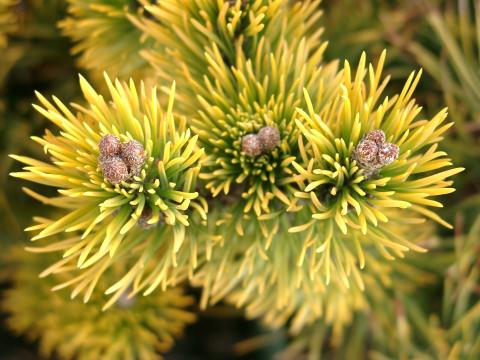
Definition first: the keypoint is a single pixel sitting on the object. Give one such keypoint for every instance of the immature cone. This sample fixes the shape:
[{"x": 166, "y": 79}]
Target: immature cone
[
  {"x": 269, "y": 137},
  {"x": 373, "y": 152},
  {"x": 109, "y": 145},
  {"x": 114, "y": 169},
  {"x": 366, "y": 152},
  {"x": 387, "y": 153},
  {"x": 251, "y": 145},
  {"x": 377, "y": 136},
  {"x": 133, "y": 154}
]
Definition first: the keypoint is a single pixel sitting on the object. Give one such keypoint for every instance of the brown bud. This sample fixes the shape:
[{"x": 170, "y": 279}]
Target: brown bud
[
  {"x": 366, "y": 152},
  {"x": 269, "y": 137},
  {"x": 146, "y": 215},
  {"x": 251, "y": 145},
  {"x": 133, "y": 154},
  {"x": 234, "y": 2},
  {"x": 109, "y": 145},
  {"x": 377, "y": 136},
  {"x": 388, "y": 153},
  {"x": 114, "y": 169}
]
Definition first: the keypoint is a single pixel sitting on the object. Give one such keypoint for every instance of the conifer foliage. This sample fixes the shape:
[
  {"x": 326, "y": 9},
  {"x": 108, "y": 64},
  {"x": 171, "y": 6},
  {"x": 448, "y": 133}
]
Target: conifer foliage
[{"x": 214, "y": 146}]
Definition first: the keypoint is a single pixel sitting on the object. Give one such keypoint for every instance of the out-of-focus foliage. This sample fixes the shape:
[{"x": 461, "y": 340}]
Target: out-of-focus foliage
[
  {"x": 272, "y": 293},
  {"x": 447, "y": 47},
  {"x": 8, "y": 20},
  {"x": 451, "y": 332},
  {"x": 105, "y": 37},
  {"x": 349, "y": 36},
  {"x": 35, "y": 58},
  {"x": 400, "y": 323},
  {"x": 134, "y": 328},
  {"x": 375, "y": 26}
]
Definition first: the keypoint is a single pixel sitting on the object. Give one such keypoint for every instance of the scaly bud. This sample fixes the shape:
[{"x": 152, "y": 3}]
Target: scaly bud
[
  {"x": 366, "y": 152},
  {"x": 109, "y": 145},
  {"x": 377, "y": 136},
  {"x": 251, "y": 145},
  {"x": 133, "y": 154},
  {"x": 269, "y": 137},
  {"x": 387, "y": 154},
  {"x": 114, "y": 169}
]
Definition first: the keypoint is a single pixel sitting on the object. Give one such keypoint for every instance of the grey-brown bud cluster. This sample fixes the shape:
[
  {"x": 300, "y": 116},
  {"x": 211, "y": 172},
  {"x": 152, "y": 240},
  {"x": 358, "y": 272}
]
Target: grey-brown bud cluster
[
  {"x": 373, "y": 152},
  {"x": 267, "y": 139},
  {"x": 120, "y": 162}
]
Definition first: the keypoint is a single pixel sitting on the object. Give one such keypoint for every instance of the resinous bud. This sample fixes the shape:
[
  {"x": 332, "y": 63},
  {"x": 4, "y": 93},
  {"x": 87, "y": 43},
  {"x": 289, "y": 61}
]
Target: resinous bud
[
  {"x": 269, "y": 137},
  {"x": 133, "y": 154},
  {"x": 377, "y": 136},
  {"x": 366, "y": 152},
  {"x": 387, "y": 154},
  {"x": 109, "y": 145},
  {"x": 114, "y": 169},
  {"x": 251, "y": 145}
]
